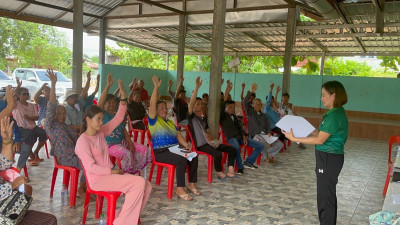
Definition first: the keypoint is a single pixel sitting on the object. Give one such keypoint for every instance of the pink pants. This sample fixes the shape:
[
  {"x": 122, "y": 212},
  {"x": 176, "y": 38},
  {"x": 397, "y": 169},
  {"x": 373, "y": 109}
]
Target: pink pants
[
  {"x": 131, "y": 162},
  {"x": 136, "y": 190}
]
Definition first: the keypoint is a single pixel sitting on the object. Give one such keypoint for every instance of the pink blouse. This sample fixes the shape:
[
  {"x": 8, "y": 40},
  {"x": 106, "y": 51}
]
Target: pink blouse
[
  {"x": 21, "y": 110},
  {"x": 93, "y": 150}
]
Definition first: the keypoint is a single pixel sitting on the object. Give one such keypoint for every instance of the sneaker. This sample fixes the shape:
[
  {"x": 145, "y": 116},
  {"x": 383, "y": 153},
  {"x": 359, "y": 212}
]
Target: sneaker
[
  {"x": 239, "y": 171},
  {"x": 249, "y": 166}
]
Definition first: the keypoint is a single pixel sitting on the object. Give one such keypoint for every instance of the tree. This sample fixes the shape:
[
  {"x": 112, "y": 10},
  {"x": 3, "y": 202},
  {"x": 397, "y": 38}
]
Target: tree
[
  {"x": 390, "y": 62},
  {"x": 34, "y": 45}
]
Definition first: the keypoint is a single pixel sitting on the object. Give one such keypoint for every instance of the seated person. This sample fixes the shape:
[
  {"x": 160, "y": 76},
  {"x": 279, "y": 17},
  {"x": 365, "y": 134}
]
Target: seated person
[
  {"x": 89, "y": 99},
  {"x": 62, "y": 136},
  {"x": 136, "y": 109},
  {"x": 236, "y": 135},
  {"x": 180, "y": 104},
  {"x": 198, "y": 126},
  {"x": 6, "y": 188},
  {"x": 92, "y": 150},
  {"x": 164, "y": 134},
  {"x": 18, "y": 145},
  {"x": 134, "y": 156},
  {"x": 25, "y": 114},
  {"x": 204, "y": 100},
  {"x": 271, "y": 109},
  {"x": 259, "y": 124},
  {"x": 41, "y": 101},
  {"x": 74, "y": 114},
  {"x": 144, "y": 96},
  {"x": 286, "y": 108}
]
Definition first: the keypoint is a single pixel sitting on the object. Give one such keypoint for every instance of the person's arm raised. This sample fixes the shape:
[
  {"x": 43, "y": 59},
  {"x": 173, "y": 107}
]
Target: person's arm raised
[
  {"x": 242, "y": 92},
  {"x": 178, "y": 88},
  {"x": 96, "y": 89},
  {"x": 102, "y": 100},
  {"x": 134, "y": 85},
  {"x": 227, "y": 90},
  {"x": 278, "y": 89},
  {"x": 10, "y": 103},
  {"x": 53, "y": 78},
  {"x": 194, "y": 95},
  {"x": 170, "y": 83},
  {"x": 154, "y": 97},
  {"x": 245, "y": 102},
  {"x": 84, "y": 93},
  {"x": 7, "y": 141},
  {"x": 38, "y": 93}
]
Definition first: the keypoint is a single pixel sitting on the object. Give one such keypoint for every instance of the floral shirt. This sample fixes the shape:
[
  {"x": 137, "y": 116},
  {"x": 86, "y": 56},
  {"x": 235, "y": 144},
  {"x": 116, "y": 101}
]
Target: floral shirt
[
  {"x": 117, "y": 135},
  {"x": 62, "y": 136},
  {"x": 5, "y": 187}
]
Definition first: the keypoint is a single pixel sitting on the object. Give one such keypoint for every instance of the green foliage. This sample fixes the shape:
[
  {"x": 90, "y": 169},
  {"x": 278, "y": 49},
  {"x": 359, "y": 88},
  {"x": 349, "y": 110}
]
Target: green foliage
[
  {"x": 390, "y": 62},
  {"x": 34, "y": 45}
]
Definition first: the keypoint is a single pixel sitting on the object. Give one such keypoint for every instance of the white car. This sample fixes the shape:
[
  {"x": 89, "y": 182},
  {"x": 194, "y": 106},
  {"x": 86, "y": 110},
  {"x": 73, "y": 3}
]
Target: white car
[
  {"x": 4, "y": 82},
  {"x": 33, "y": 79}
]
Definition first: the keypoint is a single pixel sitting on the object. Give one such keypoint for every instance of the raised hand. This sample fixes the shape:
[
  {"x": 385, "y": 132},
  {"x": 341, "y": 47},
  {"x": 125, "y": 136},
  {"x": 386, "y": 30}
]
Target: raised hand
[
  {"x": 272, "y": 86},
  {"x": 170, "y": 83},
  {"x": 198, "y": 82},
  {"x": 157, "y": 82},
  {"x": 6, "y": 129},
  {"x": 52, "y": 76},
  {"x": 19, "y": 82},
  {"x": 98, "y": 78},
  {"x": 254, "y": 87},
  {"x": 121, "y": 89},
  {"x": 110, "y": 80},
  {"x": 88, "y": 75},
  {"x": 278, "y": 89},
  {"x": 134, "y": 83},
  {"x": 243, "y": 85},
  {"x": 10, "y": 96}
]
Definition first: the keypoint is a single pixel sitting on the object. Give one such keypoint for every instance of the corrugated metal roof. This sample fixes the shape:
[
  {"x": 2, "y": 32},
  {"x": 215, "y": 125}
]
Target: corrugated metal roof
[{"x": 252, "y": 27}]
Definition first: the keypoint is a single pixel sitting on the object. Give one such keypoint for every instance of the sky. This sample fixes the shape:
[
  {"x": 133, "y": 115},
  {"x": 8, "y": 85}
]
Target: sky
[{"x": 90, "y": 43}]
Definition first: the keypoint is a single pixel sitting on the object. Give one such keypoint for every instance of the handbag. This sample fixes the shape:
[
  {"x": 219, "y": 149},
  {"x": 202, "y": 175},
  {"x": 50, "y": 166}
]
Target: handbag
[
  {"x": 213, "y": 143},
  {"x": 14, "y": 208}
]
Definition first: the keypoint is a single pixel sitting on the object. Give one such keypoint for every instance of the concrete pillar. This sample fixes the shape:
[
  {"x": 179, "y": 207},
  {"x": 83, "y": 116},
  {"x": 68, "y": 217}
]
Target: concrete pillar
[
  {"x": 77, "y": 49},
  {"x": 217, "y": 57},
  {"x": 181, "y": 44},
  {"x": 322, "y": 64},
  {"x": 102, "y": 42},
  {"x": 290, "y": 40},
  {"x": 167, "y": 61}
]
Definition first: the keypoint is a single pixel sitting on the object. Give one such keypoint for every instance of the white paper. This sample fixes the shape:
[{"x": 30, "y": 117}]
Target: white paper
[
  {"x": 269, "y": 139},
  {"x": 175, "y": 149},
  {"x": 301, "y": 127}
]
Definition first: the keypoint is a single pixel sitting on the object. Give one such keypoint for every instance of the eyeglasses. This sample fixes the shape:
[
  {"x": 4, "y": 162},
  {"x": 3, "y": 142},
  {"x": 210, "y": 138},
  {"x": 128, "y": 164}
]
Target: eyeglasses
[{"x": 25, "y": 94}]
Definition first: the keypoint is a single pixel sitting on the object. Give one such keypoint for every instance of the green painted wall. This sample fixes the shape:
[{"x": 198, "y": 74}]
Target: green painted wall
[{"x": 364, "y": 93}]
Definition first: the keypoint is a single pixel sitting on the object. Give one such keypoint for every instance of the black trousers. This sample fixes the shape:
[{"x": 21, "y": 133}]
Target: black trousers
[
  {"x": 217, "y": 154},
  {"x": 327, "y": 169},
  {"x": 163, "y": 155},
  {"x": 281, "y": 136}
]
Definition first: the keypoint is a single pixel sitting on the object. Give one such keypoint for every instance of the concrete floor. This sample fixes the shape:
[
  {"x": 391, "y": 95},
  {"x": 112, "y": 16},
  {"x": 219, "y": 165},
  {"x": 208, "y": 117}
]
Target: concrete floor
[{"x": 284, "y": 193}]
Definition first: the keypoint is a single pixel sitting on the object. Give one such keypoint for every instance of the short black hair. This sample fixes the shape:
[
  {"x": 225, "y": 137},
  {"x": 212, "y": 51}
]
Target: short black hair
[
  {"x": 204, "y": 95},
  {"x": 229, "y": 102},
  {"x": 337, "y": 88},
  {"x": 182, "y": 91},
  {"x": 253, "y": 94},
  {"x": 286, "y": 94},
  {"x": 198, "y": 98}
]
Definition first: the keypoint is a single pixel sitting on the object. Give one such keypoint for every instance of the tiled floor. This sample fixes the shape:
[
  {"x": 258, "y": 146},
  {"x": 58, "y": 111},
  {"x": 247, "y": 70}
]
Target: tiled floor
[{"x": 281, "y": 194}]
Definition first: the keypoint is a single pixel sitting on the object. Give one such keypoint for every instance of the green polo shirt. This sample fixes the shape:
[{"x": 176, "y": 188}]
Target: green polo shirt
[{"x": 336, "y": 124}]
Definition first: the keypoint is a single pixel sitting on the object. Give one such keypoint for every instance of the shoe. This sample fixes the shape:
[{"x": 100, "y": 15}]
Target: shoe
[
  {"x": 240, "y": 171},
  {"x": 249, "y": 166},
  {"x": 185, "y": 197},
  {"x": 271, "y": 161},
  {"x": 301, "y": 145}
]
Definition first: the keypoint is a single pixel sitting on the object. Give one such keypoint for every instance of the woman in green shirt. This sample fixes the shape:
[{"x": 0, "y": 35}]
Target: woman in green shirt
[{"x": 329, "y": 143}]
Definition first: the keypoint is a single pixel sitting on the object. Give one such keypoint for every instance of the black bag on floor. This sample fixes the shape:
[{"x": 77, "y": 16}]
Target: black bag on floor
[{"x": 14, "y": 207}]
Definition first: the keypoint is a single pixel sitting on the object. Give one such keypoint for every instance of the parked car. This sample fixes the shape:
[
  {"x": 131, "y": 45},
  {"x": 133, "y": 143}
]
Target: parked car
[
  {"x": 4, "y": 82},
  {"x": 33, "y": 79}
]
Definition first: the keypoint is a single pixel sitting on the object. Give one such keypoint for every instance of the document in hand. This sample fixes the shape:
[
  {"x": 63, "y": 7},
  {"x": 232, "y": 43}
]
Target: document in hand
[
  {"x": 175, "y": 149},
  {"x": 301, "y": 127},
  {"x": 269, "y": 139}
]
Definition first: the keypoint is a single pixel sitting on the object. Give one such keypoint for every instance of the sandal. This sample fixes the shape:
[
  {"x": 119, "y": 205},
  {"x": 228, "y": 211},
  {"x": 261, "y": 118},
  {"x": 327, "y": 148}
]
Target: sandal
[
  {"x": 194, "y": 191},
  {"x": 222, "y": 179},
  {"x": 185, "y": 196}
]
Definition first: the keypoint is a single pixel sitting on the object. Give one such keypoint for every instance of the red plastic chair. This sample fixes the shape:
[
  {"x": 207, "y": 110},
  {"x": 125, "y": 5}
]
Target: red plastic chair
[
  {"x": 171, "y": 169},
  {"x": 136, "y": 132},
  {"x": 246, "y": 123},
  {"x": 244, "y": 112},
  {"x": 68, "y": 171},
  {"x": 94, "y": 102},
  {"x": 210, "y": 158},
  {"x": 111, "y": 196},
  {"x": 25, "y": 169},
  {"x": 392, "y": 140}
]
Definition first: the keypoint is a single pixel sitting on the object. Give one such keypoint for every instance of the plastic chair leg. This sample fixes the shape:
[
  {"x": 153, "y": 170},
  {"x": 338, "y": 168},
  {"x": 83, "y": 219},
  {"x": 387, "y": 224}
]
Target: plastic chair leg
[
  {"x": 47, "y": 150},
  {"x": 259, "y": 160},
  {"x": 99, "y": 206},
  {"x": 111, "y": 205},
  {"x": 73, "y": 189},
  {"x": 210, "y": 168},
  {"x": 53, "y": 181},
  {"x": 135, "y": 136},
  {"x": 171, "y": 177},
  {"x": 26, "y": 172},
  {"x": 85, "y": 207},
  {"x": 159, "y": 173},
  {"x": 387, "y": 181},
  {"x": 142, "y": 134},
  {"x": 151, "y": 172},
  {"x": 66, "y": 178}
]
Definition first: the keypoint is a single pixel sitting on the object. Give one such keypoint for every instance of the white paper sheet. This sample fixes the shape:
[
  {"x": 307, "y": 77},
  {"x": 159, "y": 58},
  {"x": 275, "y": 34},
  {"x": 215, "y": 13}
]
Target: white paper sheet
[
  {"x": 301, "y": 127},
  {"x": 175, "y": 149},
  {"x": 269, "y": 139}
]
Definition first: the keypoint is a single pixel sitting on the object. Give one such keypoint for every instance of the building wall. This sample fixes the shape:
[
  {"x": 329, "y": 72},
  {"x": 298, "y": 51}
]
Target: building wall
[{"x": 366, "y": 94}]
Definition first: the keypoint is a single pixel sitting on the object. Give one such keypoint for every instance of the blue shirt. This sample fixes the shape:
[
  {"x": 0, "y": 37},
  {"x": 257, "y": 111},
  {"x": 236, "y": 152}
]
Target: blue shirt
[
  {"x": 117, "y": 135},
  {"x": 273, "y": 116},
  {"x": 16, "y": 132},
  {"x": 42, "y": 103}
]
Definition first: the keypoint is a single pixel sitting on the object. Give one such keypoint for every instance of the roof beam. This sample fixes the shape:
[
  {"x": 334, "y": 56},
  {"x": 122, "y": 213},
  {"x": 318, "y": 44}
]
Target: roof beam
[
  {"x": 270, "y": 7},
  {"x": 23, "y": 8},
  {"x": 34, "y": 2},
  {"x": 61, "y": 14},
  {"x": 380, "y": 15},
  {"x": 34, "y": 19},
  {"x": 162, "y": 6},
  {"x": 341, "y": 14},
  {"x": 105, "y": 14},
  {"x": 260, "y": 41},
  {"x": 229, "y": 53},
  {"x": 209, "y": 39},
  {"x": 316, "y": 42},
  {"x": 175, "y": 43}
]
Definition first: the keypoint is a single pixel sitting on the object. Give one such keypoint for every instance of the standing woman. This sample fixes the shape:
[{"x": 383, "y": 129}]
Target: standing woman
[
  {"x": 329, "y": 143},
  {"x": 92, "y": 150}
]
